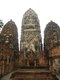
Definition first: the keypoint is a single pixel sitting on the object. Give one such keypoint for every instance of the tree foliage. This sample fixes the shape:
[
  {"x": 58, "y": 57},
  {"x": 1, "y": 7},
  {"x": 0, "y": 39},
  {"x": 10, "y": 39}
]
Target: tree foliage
[{"x": 1, "y": 23}]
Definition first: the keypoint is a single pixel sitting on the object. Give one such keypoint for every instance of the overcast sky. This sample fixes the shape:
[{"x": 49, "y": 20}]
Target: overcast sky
[{"x": 46, "y": 10}]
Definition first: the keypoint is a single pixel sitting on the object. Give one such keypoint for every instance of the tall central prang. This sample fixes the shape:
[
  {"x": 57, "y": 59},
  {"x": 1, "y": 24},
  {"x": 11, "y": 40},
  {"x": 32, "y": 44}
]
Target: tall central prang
[
  {"x": 31, "y": 34},
  {"x": 31, "y": 43}
]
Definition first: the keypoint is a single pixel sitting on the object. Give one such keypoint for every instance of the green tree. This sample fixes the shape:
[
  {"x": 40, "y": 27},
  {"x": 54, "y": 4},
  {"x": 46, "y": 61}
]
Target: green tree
[{"x": 1, "y": 23}]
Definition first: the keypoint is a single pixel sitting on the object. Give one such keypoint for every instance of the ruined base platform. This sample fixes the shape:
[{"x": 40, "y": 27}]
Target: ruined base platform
[{"x": 32, "y": 74}]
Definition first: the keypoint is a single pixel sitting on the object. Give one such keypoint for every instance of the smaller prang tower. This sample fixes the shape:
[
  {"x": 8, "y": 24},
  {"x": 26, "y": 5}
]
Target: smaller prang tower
[
  {"x": 11, "y": 35},
  {"x": 30, "y": 43},
  {"x": 8, "y": 48},
  {"x": 52, "y": 46}
]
